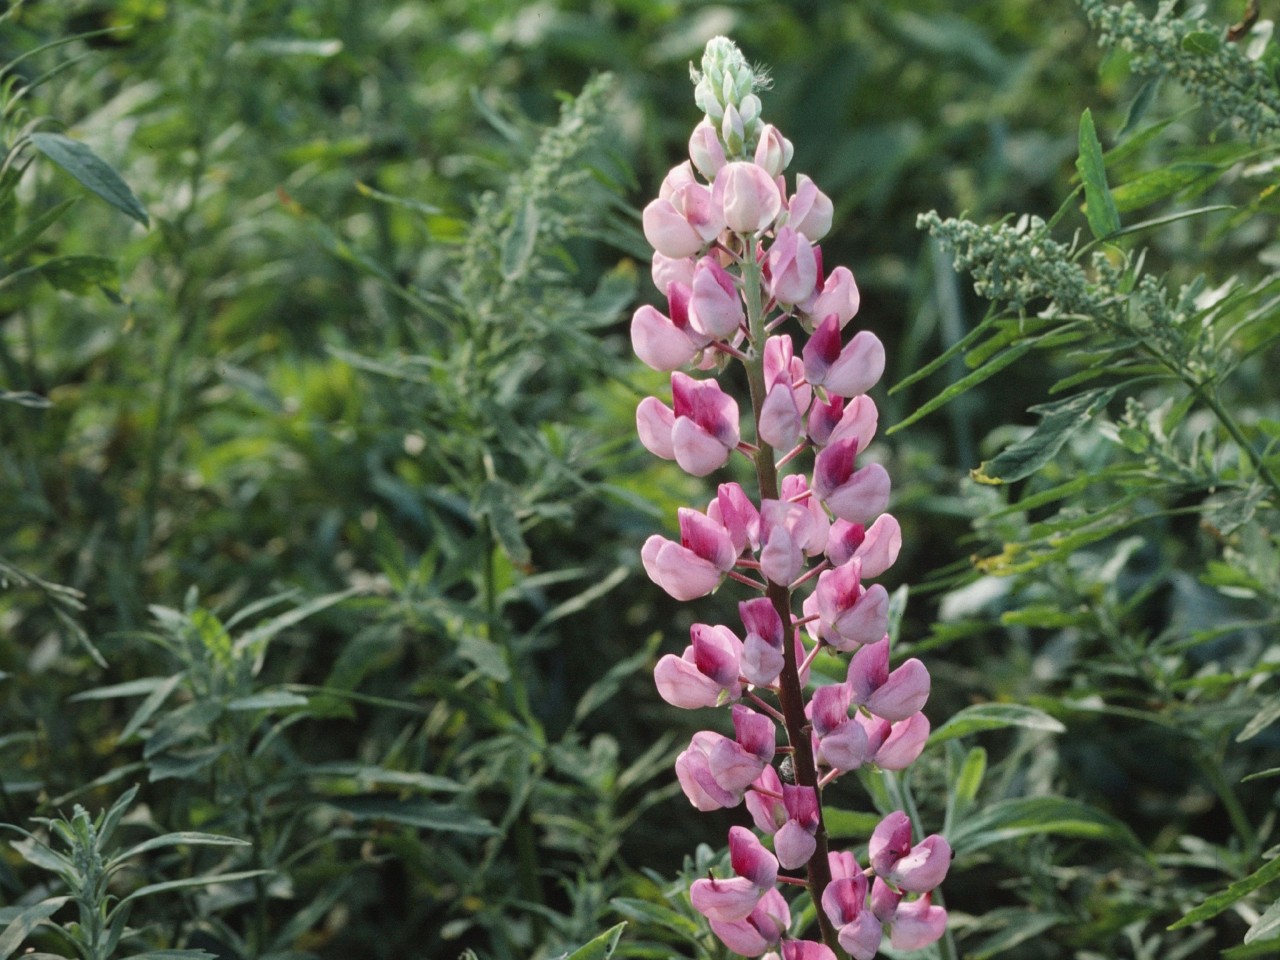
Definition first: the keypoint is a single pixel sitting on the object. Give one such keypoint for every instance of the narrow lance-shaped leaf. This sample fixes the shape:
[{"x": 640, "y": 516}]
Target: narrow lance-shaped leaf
[
  {"x": 1058, "y": 422},
  {"x": 1100, "y": 208},
  {"x": 20, "y": 927},
  {"x": 1237, "y": 891},
  {"x": 91, "y": 170}
]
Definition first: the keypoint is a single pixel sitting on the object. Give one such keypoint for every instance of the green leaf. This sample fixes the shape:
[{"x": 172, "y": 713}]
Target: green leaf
[
  {"x": 1033, "y": 816},
  {"x": 1267, "y": 925},
  {"x": 965, "y": 383},
  {"x": 82, "y": 274},
  {"x": 486, "y": 656},
  {"x": 25, "y": 398},
  {"x": 183, "y": 765},
  {"x": 370, "y": 775},
  {"x": 600, "y": 948},
  {"x": 20, "y": 927},
  {"x": 1268, "y": 715},
  {"x": 1058, "y": 421},
  {"x": 173, "y": 955},
  {"x": 21, "y": 241},
  {"x": 268, "y": 700},
  {"x": 1099, "y": 207},
  {"x": 658, "y": 914},
  {"x": 91, "y": 170},
  {"x": 1159, "y": 184},
  {"x": 445, "y": 818},
  {"x": 183, "y": 838},
  {"x": 188, "y": 882},
  {"x": 253, "y": 639},
  {"x": 993, "y": 716},
  {"x": 1221, "y": 901},
  {"x": 849, "y": 824},
  {"x": 1020, "y": 926}
]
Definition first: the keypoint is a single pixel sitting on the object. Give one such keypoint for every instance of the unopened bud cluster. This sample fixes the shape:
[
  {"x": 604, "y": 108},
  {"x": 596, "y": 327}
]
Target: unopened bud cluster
[{"x": 737, "y": 257}]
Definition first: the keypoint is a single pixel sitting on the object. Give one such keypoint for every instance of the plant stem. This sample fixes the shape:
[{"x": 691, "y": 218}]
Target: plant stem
[{"x": 790, "y": 692}]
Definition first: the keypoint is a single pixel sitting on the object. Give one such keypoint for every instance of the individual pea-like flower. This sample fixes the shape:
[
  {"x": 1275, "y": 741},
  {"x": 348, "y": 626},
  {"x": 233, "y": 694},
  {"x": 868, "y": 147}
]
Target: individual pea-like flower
[
  {"x": 848, "y": 370},
  {"x": 683, "y": 219},
  {"x": 837, "y": 293},
  {"x": 809, "y": 211},
  {"x": 913, "y": 924},
  {"x": 787, "y": 534},
  {"x": 705, "y": 149},
  {"x": 706, "y": 674},
  {"x": 715, "y": 771},
  {"x": 733, "y": 510},
  {"x": 793, "y": 267},
  {"x": 856, "y": 494},
  {"x": 849, "y": 615},
  {"x": 911, "y": 868},
  {"x": 755, "y": 873},
  {"x": 876, "y": 547},
  {"x": 761, "y": 929},
  {"x": 698, "y": 431},
  {"x": 667, "y": 342},
  {"x": 890, "y": 696},
  {"x": 762, "y": 655},
  {"x": 746, "y": 197},
  {"x": 693, "y": 567},
  {"x": 845, "y": 904},
  {"x": 715, "y": 306},
  {"x": 774, "y": 152}
]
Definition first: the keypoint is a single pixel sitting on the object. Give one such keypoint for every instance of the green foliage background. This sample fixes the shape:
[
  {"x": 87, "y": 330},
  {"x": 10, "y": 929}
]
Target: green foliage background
[{"x": 321, "y": 508}]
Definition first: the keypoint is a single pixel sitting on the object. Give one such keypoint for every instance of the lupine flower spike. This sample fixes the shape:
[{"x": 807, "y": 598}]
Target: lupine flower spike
[{"x": 736, "y": 257}]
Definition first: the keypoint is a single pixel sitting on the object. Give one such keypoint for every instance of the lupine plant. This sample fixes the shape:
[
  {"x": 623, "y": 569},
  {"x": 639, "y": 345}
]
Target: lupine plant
[{"x": 737, "y": 256}]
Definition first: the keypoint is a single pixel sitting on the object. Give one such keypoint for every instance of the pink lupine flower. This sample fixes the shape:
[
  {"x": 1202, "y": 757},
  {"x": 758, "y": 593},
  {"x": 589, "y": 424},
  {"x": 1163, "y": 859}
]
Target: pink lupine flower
[
  {"x": 806, "y": 950},
  {"x": 747, "y": 197},
  {"x": 848, "y": 371},
  {"x": 785, "y": 533},
  {"x": 810, "y": 210},
  {"x": 849, "y": 615},
  {"x": 845, "y": 904},
  {"x": 733, "y": 510},
  {"x": 693, "y": 770},
  {"x": 705, "y": 150},
  {"x": 682, "y": 220},
  {"x": 781, "y": 365},
  {"x": 917, "y": 924},
  {"x": 699, "y": 433},
  {"x": 762, "y": 928},
  {"x": 756, "y": 873},
  {"x": 668, "y": 270},
  {"x": 706, "y": 674},
  {"x": 824, "y": 416},
  {"x": 781, "y": 422},
  {"x": 794, "y": 843},
  {"x": 876, "y": 548},
  {"x": 667, "y": 343},
  {"x": 773, "y": 151},
  {"x": 838, "y": 294},
  {"x": 764, "y": 802},
  {"x": 841, "y": 742},
  {"x": 890, "y": 696},
  {"x": 795, "y": 489},
  {"x": 914, "y": 869},
  {"x": 762, "y": 654},
  {"x": 859, "y": 420},
  {"x": 856, "y": 495},
  {"x": 693, "y": 567},
  {"x": 904, "y": 742},
  {"x": 715, "y": 308},
  {"x": 793, "y": 268}
]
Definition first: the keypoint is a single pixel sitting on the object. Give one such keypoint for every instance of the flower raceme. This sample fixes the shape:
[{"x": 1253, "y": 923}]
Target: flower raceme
[{"x": 737, "y": 256}]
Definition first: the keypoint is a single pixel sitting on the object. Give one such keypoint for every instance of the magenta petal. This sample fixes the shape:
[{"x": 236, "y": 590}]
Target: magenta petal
[
  {"x": 861, "y": 498},
  {"x": 917, "y": 924},
  {"x": 716, "y": 653},
  {"x": 829, "y": 708},
  {"x": 696, "y": 451},
  {"x": 658, "y": 342},
  {"x": 859, "y": 366},
  {"x": 780, "y": 420},
  {"x": 706, "y": 538},
  {"x": 802, "y": 805},
  {"x": 794, "y": 845},
  {"x": 750, "y": 859},
  {"x": 858, "y": 420},
  {"x": 806, "y": 950},
  {"x": 733, "y": 510},
  {"x": 843, "y": 864},
  {"x": 654, "y": 421},
  {"x": 822, "y": 350},
  {"x": 845, "y": 898},
  {"x": 865, "y": 622},
  {"x": 756, "y": 732},
  {"x": 880, "y": 545},
  {"x": 834, "y": 466},
  {"x": 681, "y": 684},
  {"x": 868, "y": 670},
  {"x": 903, "y": 693},
  {"x": 725, "y": 900},
  {"x": 889, "y": 842},
  {"x": 904, "y": 743},
  {"x": 924, "y": 867},
  {"x": 768, "y": 812},
  {"x": 861, "y": 938},
  {"x": 884, "y": 900}
]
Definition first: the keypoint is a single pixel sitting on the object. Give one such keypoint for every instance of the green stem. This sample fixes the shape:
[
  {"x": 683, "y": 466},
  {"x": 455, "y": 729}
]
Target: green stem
[{"x": 790, "y": 692}]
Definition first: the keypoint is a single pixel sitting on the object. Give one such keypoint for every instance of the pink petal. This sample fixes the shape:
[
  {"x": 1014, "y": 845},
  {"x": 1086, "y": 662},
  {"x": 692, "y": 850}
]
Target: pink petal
[
  {"x": 889, "y": 842},
  {"x": 678, "y": 570},
  {"x": 681, "y": 685},
  {"x": 724, "y": 900},
  {"x": 858, "y": 420},
  {"x": 810, "y": 210},
  {"x": 903, "y": 693},
  {"x": 806, "y": 950},
  {"x": 654, "y": 422},
  {"x": 917, "y": 924},
  {"x": 846, "y": 748},
  {"x": 869, "y": 670},
  {"x": 862, "y": 936},
  {"x": 904, "y": 744},
  {"x": 705, "y": 149},
  {"x": 750, "y": 859},
  {"x": 693, "y": 770},
  {"x": 861, "y": 498},
  {"x": 715, "y": 307},
  {"x": 717, "y": 653},
  {"x": 793, "y": 268},
  {"x": 924, "y": 867},
  {"x": 747, "y": 197},
  {"x": 774, "y": 151},
  {"x": 756, "y": 732},
  {"x": 706, "y": 538},
  {"x": 668, "y": 231},
  {"x": 780, "y": 421},
  {"x": 839, "y": 295},
  {"x": 794, "y": 845},
  {"x": 845, "y": 898},
  {"x": 668, "y": 270},
  {"x": 879, "y": 548},
  {"x": 658, "y": 342},
  {"x": 859, "y": 366},
  {"x": 865, "y": 622}
]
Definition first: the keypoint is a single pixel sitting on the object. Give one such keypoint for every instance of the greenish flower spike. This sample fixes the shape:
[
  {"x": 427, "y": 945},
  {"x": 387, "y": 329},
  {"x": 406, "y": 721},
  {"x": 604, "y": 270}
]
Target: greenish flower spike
[
  {"x": 1231, "y": 79},
  {"x": 725, "y": 91}
]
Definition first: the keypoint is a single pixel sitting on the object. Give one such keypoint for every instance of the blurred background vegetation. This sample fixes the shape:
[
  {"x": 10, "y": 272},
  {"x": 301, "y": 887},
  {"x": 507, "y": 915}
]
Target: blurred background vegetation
[{"x": 321, "y": 509}]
